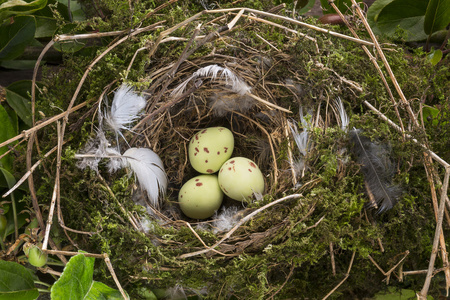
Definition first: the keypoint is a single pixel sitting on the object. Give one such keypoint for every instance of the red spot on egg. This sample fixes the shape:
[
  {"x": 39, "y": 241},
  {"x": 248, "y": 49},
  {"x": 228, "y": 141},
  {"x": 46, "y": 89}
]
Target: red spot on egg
[
  {"x": 226, "y": 149},
  {"x": 206, "y": 150},
  {"x": 224, "y": 189},
  {"x": 250, "y": 170},
  {"x": 197, "y": 179},
  {"x": 232, "y": 162},
  {"x": 206, "y": 161},
  {"x": 196, "y": 137},
  {"x": 229, "y": 169},
  {"x": 210, "y": 171},
  {"x": 196, "y": 149},
  {"x": 218, "y": 152},
  {"x": 203, "y": 131},
  {"x": 252, "y": 165},
  {"x": 199, "y": 184},
  {"x": 181, "y": 196},
  {"x": 195, "y": 154}
]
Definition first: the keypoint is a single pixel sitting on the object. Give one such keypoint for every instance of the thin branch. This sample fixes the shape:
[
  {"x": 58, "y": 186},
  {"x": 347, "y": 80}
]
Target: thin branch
[
  {"x": 423, "y": 293},
  {"x": 344, "y": 279},
  {"x": 242, "y": 221}
]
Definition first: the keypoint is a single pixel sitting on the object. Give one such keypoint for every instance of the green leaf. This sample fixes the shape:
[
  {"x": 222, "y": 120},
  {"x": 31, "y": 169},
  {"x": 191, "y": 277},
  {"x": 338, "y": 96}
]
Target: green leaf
[
  {"x": 394, "y": 294},
  {"x": 18, "y": 64},
  {"x": 16, "y": 36},
  {"x": 437, "y": 16},
  {"x": 23, "y": 215},
  {"x": 45, "y": 27},
  {"x": 17, "y": 96},
  {"x": 76, "y": 282},
  {"x": 20, "y": 7},
  {"x": 435, "y": 56},
  {"x": 69, "y": 46},
  {"x": 16, "y": 282},
  {"x": 6, "y": 132},
  {"x": 304, "y": 6},
  {"x": 387, "y": 17},
  {"x": 100, "y": 291},
  {"x": 374, "y": 11},
  {"x": 342, "y": 5}
]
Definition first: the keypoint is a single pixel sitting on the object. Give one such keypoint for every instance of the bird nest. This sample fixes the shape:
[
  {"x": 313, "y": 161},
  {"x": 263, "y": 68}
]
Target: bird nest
[{"x": 267, "y": 81}]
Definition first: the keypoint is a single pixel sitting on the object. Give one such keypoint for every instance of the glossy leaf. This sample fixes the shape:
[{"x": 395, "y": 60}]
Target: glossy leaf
[
  {"x": 7, "y": 180},
  {"x": 45, "y": 27},
  {"x": 18, "y": 97},
  {"x": 342, "y": 5},
  {"x": 19, "y": 7},
  {"x": 76, "y": 282},
  {"x": 304, "y": 6},
  {"x": 387, "y": 16},
  {"x": 435, "y": 56},
  {"x": 6, "y": 132},
  {"x": 100, "y": 291},
  {"x": 16, "y": 282},
  {"x": 437, "y": 16},
  {"x": 16, "y": 36}
]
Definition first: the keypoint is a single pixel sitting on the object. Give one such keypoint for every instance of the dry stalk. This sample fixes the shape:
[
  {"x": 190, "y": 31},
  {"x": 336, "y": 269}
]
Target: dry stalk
[
  {"x": 28, "y": 173},
  {"x": 396, "y": 127},
  {"x": 291, "y": 271},
  {"x": 293, "y": 21},
  {"x": 388, "y": 273},
  {"x": 201, "y": 241},
  {"x": 130, "y": 216},
  {"x": 239, "y": 224},
  {"x": 374, "y": 61},
  {"x": 333, "y": 263},
  {"x": 27, "y": 133},
  {"x": 56, "y": 188},
  {"x": 269, "y": 138},
  {"x": 344, "y": 279},
  {"x": 423, "y": 293}
]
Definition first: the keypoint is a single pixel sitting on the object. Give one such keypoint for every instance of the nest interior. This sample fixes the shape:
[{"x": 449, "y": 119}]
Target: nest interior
[{"x": 304, "y": 244}]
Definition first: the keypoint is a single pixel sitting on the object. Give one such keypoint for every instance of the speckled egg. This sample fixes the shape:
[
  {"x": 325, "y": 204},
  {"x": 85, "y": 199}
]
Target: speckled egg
[
  {"x": 210, "y": 148},
  {"x": 200, "y": 197},
  {"x": 240, "y": 177}
]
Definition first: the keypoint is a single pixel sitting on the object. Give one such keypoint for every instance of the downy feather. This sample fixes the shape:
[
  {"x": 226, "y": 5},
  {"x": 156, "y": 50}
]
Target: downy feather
[
  {"x": 301, "y": 139},
  {"x": 125, "y": 109},
  {"x": 212, "y": 71},
  {"x": 95, "y": 149},
  {"x": 149, "y": 170},
  {"x": 377, "y": 169},
  {"x": 225, "y": 220},
  {"x": 343, "y": 117}
]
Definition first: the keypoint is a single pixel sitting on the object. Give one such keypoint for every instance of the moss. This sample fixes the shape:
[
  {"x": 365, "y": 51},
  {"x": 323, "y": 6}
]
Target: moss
[{"x": 290, "y": 252}]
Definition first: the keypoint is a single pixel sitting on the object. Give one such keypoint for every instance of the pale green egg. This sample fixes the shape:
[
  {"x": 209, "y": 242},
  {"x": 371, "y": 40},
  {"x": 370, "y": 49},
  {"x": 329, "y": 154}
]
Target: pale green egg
[
  {"x": 239, "y": 178},
  {"x": 200, "y": 197},
  {"x": 210, "y": 148}
]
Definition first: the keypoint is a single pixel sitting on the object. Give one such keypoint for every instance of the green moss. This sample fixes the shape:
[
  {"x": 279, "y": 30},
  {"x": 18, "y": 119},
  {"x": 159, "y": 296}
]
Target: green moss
[{"x": 290, "y": 254}]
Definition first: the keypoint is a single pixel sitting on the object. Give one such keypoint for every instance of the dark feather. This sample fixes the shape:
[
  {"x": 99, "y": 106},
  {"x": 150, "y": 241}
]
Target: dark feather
[{"x": 378, "y": 170}]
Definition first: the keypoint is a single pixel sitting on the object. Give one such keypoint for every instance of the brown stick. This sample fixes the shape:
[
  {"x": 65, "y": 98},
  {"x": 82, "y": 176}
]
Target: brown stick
[
  {"x": 423, "y": 293},
  {"x": 344, "y": 279},
  {"x": 242, "y": 221}
]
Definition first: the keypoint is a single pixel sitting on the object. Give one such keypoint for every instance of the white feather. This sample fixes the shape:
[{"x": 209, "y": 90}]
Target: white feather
[
  {"x": 125, "y": 109},
  {"x": 342, "y": 113},
  {"x": 212, "y": 71},
  {"x": 95, "y": 149},
  {"x": 149, "y": 170},
  {"x": 301, "y": 139},
  {"x": 225, "y": 220}
]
